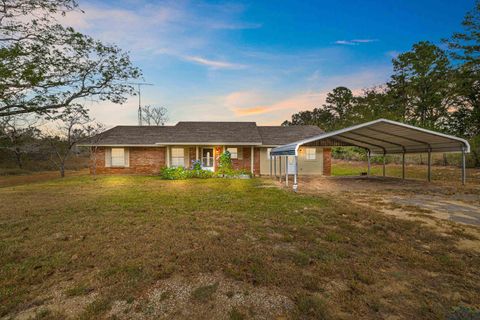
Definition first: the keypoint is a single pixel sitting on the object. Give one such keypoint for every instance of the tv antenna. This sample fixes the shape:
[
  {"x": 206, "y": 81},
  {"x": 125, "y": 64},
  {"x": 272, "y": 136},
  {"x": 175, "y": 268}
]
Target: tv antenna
[{"x": 139, "y": 86}]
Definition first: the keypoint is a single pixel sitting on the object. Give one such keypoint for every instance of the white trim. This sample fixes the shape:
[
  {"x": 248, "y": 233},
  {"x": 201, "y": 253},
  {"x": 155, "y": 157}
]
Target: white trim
[{"x": 168, "y": 156}]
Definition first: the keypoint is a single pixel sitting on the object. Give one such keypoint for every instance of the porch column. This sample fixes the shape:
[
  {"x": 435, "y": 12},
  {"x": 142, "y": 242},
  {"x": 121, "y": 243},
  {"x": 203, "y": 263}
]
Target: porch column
[
  {"x": 196, "y": 153},
  {"x": 286, "y": 171},
  {"x": 464, "y": 171},
  {"x": 429, "y": 172},
  {"x": 168, "y": 157},
  {"x": 252, "y": 154},
  {"x": 295, "y": 175},
  {"x": 403, "y": 166}
]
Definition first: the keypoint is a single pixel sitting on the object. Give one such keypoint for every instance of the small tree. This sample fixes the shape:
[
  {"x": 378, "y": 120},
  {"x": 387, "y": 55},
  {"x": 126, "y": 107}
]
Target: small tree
[
  {"x": 154, "y": 116},
  {"x": 18, "y": 135},
  {"x": 73, "y": 126},
  {"x": 94, "y": 134}
]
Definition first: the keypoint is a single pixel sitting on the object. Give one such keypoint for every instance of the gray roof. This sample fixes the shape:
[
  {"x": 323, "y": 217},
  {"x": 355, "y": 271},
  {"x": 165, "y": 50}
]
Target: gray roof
[
  {"x": 196, "y": 132},
  {"x": 384, "y": 136},
  {"x": 278, "y": 135}
]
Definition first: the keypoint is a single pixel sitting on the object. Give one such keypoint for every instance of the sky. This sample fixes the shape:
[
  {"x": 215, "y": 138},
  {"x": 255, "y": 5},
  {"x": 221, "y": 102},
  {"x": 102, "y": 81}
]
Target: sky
[{"x": 257, "y": 60}]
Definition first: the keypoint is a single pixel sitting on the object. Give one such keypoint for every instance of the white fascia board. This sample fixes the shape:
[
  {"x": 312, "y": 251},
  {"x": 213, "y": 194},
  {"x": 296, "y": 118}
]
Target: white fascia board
[{"x": 209, "y": 143}]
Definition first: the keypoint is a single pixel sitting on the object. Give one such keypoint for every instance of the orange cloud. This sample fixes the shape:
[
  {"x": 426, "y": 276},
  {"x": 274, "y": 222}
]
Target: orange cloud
[{"x": 249, "y": 111}]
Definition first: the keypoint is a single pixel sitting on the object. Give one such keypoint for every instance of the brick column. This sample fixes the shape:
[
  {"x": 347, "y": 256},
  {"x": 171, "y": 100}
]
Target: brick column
[{"x": 327, "y": 161}]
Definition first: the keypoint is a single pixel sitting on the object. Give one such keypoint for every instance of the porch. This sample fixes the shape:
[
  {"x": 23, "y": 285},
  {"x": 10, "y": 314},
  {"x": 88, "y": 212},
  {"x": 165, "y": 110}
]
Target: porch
[{"x": 209, "y": 155}]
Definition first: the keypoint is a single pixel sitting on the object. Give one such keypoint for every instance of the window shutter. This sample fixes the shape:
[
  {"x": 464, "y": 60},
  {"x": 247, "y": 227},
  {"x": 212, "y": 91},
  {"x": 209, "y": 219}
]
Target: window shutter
[
  {"x": 127, "y": 157},
  {"x": 240, "y": 153},
  {"x": 108, "y": 157}
]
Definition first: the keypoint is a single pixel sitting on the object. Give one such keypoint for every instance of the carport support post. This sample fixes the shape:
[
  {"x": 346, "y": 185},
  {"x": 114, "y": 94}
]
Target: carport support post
[
  {"x": 464, "y": 171},
  {"x": 429, "y": 176},
  {"x": 280, "y": 168},
  {"x": 384, "y": 164},
  {"x": 403, "y": 166},
  {"x": 295, "y": 176},
  {"x": 275, "y": 165},
  {"x": 368, "y": 161},
  {"x": 271, "y": 165},
  {"x": 286, "y": 171}
]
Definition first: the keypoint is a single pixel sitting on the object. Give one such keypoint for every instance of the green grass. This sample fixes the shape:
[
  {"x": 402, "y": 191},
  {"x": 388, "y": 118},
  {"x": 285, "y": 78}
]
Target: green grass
[
  {"x": 119, "y": 235},
  {"x": 439, "y": 173}
]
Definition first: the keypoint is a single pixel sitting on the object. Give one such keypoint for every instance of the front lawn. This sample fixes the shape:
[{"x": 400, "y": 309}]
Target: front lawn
[{"x": 131, "y": 246}]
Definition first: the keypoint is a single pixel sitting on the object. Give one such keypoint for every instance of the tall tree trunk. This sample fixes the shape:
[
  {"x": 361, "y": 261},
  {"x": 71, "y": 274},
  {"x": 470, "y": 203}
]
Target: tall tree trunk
[
  {"x": 18, "y": 158},
  {"x": 62, "y": 170}
]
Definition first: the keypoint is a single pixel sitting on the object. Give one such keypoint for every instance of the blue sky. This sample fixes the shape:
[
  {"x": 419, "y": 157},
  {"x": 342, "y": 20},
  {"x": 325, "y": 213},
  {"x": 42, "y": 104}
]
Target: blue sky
[{"x": 258, "y": 60}]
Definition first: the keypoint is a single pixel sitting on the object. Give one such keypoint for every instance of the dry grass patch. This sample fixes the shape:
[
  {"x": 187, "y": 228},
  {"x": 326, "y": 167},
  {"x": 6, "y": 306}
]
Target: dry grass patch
[{"x": 140, "y": 247}]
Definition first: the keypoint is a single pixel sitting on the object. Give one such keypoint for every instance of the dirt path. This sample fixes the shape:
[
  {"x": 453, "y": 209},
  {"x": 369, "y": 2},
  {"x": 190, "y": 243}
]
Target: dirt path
[{"x": 402, "y": 197}]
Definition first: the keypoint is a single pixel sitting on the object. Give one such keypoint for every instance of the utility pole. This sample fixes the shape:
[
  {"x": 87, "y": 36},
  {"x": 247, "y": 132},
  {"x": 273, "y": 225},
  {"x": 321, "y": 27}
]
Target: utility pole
[{"x": 139, "y": 86}]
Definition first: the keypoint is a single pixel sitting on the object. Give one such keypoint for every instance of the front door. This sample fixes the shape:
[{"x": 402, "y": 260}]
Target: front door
[{"x": 207, "y": 158}]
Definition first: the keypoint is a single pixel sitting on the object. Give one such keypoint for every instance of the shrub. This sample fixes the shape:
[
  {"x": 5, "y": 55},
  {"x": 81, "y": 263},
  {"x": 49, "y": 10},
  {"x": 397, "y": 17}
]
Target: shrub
[
  {"x": 171, "y": 173},
  {"x": 181, "y": 173},
  {"x": 196, "y": 165},
  {"x": 225, "y": 164}
]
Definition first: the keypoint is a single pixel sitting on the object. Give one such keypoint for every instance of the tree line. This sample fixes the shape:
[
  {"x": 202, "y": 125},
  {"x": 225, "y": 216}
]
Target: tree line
[
  {"x": 48, "y": 72},
  {"x": 430, "y": 87}
]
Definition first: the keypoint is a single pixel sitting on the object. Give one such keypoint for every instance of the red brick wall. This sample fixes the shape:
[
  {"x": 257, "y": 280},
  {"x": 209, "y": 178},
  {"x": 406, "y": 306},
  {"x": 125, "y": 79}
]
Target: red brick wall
[
  {"x": 327, "y": 161},
  {"x": 143, "y": 160}
]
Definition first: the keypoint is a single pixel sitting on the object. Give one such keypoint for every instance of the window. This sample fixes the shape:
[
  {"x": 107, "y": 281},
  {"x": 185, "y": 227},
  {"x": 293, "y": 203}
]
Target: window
[
  {"x": 310, "y": 153},
  {"x": 269, "y": 157},
  {"x": 118, "y": 157},
  {"x": 178, "y": 157},
  {"x": 233, "y": 152}
]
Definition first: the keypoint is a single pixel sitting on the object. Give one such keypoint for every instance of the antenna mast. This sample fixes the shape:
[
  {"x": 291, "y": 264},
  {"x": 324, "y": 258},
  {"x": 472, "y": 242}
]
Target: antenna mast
[{"x": 139, "y": 86}]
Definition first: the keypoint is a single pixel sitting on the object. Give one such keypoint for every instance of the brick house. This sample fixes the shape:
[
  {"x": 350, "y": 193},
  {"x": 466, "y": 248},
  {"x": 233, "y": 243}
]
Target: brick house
[{"x": 146, "y": 149}]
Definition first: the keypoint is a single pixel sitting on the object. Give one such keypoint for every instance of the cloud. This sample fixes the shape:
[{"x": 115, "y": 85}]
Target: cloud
[
  {"x": 355, "y": 42},
  {"x": 214, "y": 63},
  {"x": 182, "y": 29}
]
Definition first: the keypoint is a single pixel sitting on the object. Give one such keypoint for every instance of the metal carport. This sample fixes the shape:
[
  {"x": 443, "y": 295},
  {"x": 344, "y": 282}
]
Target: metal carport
[{"x": 382, "y": 137}]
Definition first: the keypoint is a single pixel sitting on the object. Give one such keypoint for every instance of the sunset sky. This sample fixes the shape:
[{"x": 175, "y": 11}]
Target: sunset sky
[{"x": 258, "y": 60}]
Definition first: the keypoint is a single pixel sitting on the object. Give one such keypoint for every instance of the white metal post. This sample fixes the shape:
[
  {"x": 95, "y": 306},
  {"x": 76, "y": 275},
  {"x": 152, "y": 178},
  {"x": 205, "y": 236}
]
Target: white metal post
[
  {"x": 384, "y": 165},
  {"x": 280, "y": 168},
  {"x": 464, "y": 171},
  {"x": 295, "y": 176},
  {"x": 275, "y": 165},
  {"x": 286, "y": 171},
  {"x": 368, "y": 161},
  {"x": 429, "y": 172},
  {"x": 403, "y": 166}
]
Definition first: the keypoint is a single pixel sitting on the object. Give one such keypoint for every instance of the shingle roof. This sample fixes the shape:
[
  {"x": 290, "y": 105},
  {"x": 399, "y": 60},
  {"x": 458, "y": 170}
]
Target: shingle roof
[
  {"x": 278, "y": 135},
  {"x": 186, "y": 132}
]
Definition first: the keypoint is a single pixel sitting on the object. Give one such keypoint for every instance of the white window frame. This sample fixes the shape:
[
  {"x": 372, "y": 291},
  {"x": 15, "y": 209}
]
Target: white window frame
[
  {"x": 309, "y": 155},
  {"x": 177, "y": 160},
  {"x": 117, "y": 157},
  {"x": 233, "y": 155}
]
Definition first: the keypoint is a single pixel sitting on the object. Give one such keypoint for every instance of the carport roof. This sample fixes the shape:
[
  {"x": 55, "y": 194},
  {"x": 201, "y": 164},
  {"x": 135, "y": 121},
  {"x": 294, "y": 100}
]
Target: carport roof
[{"x": 382, "y": 136}]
